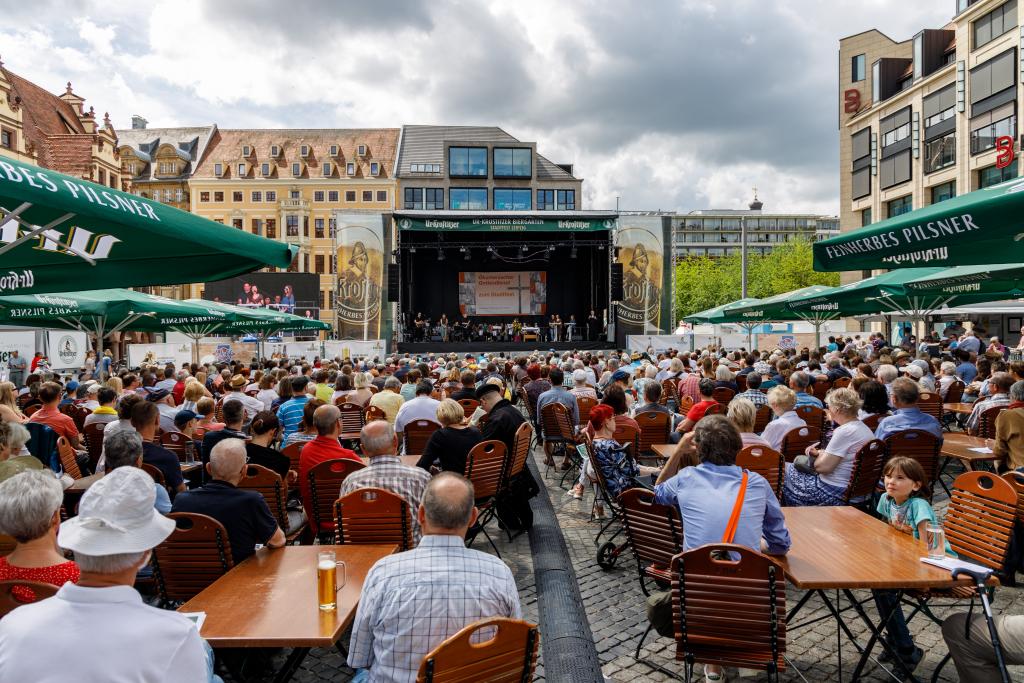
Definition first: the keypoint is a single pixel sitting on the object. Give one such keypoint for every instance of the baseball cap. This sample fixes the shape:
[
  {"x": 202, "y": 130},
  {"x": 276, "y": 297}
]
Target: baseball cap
[
  {"x": 157, "y": 394},
  {"x": 183, "y": 416}
]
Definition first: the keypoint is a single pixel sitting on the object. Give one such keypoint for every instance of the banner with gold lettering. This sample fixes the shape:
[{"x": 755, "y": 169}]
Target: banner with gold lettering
[{"x": 360, "y": 275}]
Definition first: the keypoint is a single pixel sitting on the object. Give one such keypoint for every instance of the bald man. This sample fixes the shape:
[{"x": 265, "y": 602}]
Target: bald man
[
  {"x": 327, "y": 420},
  {"x": 244, "y": 514}
]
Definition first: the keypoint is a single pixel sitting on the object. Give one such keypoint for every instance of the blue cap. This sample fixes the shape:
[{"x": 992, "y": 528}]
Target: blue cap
[{"x": 72, "y": 386}]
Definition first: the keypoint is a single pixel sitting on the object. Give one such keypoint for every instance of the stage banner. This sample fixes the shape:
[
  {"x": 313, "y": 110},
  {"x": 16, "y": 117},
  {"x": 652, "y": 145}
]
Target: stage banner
[
  {"x": 513, "y": 223},
  {"x": 67, "y": 349},
  {"x": 641, "y": 247},
  {"x": 22, "y": 342},
  {"x": 304, "y": 350},
  {"x": 373, "y": 348},
  {"x": 179, "y": 353},
  {"x": 360, "y": 270},
  {"x": 503, "y": 293}
]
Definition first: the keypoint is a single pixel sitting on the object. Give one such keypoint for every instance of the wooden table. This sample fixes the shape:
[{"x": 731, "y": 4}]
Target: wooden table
[
  {"x": 958, "y": 445},
  {"x": 961, "y": 408},
  {"x": 664, "y": 450},
  {"x": 841, "y": 549},
  {"x": 270, "y": 600}
]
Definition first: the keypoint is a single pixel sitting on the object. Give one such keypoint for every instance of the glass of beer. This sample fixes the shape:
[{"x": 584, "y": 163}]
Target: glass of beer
[{"x": 330, "y": 578}]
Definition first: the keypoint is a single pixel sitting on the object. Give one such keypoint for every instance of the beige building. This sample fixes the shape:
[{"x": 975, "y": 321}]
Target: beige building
[
  {"x": 287, "y": 184},
  {"x": 920, "y": 119}
]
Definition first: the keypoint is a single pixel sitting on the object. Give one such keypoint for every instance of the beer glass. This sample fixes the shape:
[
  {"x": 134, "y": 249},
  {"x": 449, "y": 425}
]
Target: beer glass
[
  {"x": 330, "y": 578},
  {"x": 936, "y": 541}
]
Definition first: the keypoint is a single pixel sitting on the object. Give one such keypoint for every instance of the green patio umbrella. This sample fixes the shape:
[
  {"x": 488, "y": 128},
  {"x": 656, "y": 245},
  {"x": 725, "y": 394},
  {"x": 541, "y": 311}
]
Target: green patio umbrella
[
  {"x": 775, "y": 308},
  {"x": 260, "y": 322},
  {"x": 56, "y": 231},
  {"x": 981, "y": 227},
  {"x": 971, "y": 284},
  {"x": 718, "y": 315}
]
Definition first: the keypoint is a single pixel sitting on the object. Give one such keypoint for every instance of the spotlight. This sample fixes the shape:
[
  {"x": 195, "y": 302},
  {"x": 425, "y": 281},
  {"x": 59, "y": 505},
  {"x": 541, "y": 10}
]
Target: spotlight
[
  {"x": 412, "y": 250},
  {"x": 572, "y": 253},
  {"x": 440, "y": 254},
  {"x": 523, "y": 248}
]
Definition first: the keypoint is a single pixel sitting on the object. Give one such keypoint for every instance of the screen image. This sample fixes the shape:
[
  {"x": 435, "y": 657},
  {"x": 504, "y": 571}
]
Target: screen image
[
  {"x": 503, "y": 293},
  {"x": 297, "y": 293}
]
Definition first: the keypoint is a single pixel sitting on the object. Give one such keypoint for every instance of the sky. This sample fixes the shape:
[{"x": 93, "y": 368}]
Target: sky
[{"x": 659, "y": 105}]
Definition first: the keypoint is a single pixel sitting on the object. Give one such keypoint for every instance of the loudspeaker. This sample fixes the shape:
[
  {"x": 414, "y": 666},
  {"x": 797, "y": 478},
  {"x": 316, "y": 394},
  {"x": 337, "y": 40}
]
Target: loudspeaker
[
  {"x": 393, "y": 282},
  {"x": 615, "y": 284}
]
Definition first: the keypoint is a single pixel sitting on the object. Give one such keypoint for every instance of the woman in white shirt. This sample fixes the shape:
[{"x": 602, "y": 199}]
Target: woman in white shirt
[
  {"x": 782, "y": 401},
  {"x": 825, "y": 475},
  {"x": 267, "y": 395}
]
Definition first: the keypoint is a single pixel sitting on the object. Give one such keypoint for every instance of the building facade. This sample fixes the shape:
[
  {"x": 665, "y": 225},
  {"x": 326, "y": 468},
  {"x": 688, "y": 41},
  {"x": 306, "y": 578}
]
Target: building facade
[
  {"x": 921, "y": 120},
  {"x": 286, "y": 185}
]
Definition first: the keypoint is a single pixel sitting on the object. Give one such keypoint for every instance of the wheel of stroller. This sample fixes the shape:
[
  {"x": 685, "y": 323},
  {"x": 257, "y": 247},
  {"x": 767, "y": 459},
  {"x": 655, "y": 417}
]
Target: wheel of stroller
[{"x": 607, "y": 555}]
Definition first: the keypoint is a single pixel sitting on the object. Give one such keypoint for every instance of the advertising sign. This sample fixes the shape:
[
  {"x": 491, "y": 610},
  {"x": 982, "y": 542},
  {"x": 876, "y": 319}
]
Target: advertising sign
[
  {"x": 360, "y": 276},
  {"x": 640, "y": 242},
  {"x": 159, "y": 354},
  {"x": 67, "y": 349},
  {"x": 373, "y": 348},
  {"x": 506, "y": 224}
]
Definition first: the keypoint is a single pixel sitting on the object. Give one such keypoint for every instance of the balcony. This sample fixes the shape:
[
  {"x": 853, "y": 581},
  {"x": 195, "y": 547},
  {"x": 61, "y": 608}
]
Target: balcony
[{"x": 294, "y": 205}]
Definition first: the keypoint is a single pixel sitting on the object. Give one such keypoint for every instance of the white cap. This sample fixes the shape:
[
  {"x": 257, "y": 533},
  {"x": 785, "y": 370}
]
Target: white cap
[{"x": 913, "y": 370}]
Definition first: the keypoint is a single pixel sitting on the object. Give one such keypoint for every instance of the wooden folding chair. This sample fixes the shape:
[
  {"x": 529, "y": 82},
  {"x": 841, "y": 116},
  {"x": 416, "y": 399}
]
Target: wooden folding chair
[
  {"x": 560, "y": 436},
  {"x": 955, "y": 392},
  {"x": 375, "y": 413},
  {"x": 417, "y": 434},
  {"x": 741, "y": 383},
  {"x": 269, "y": 484},
  {"x": 921, "y": 446},
  {"x": 7, "y": 544},
  {"x": 654, "y": 532},
  {"x": 324, "y": 484},
  {"x": 68, "y": 461},
  {"x": 730, "y": 612},
  {"x": 292, "y": 451},
  {"x": 15, "y": 593},
  {"x": 796, "y": 441},
  {"x": 930, "y": 402},
  {"x": 715, "y": 409},
  {"x": 176, "y": 443},
  {"x": 373, "y": 515},
  {"x": 32, "y": 409},
  {"x": 154, "y": 472},
  {"x": 469, "y": 405},
  {"x": 669, "y": 392},
  {"x": 93, "y": 435},
  {"x": 476, "y": 654},
  {"x": 762, "y": 417},
  {"x": 867, "y": 471},
  {"x": 986, "y": 428},
  {"x": 585, "y": 404},
  {"x": 723, "y": 395},
  {"x": 218, "y": 410},
  {"x": 654, "y": 427},
  {"x": 767, "y": 462},
  {"x": 871, "y": 421},
  {"x": 627, "y": 435},
  {"x": 486, "y": 464},
  {"x": 196, "y": 554},
  {"x": 352, "y": 421},
  {"x": 820, "y": 388},
  {"x": 685, "y": 403},
  {"x": 812, "y": 415}
]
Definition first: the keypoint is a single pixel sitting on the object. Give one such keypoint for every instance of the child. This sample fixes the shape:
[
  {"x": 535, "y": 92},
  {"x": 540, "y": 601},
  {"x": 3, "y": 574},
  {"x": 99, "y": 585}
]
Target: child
[{"x": 904, "y": 508}]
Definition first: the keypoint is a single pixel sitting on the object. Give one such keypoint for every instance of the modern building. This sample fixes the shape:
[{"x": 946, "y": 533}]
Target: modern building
[
  {"x": 921, "y": 120},
  {"x": 158, "y": 162},
  {"x": 55, "y": 131},
  {"x": 718, "y": 232},
  {"x": 286, "y": 185}
]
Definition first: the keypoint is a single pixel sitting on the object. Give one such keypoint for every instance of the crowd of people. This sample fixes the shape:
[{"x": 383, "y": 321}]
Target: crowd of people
[{"x": 237, "y": 415}]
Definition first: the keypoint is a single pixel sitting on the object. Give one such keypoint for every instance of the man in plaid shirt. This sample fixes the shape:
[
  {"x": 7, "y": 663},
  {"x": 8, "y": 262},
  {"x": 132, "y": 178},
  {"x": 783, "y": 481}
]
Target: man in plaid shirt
[
  {"x": 386, "y": 471},
  {"x": 412, "y": 601}
]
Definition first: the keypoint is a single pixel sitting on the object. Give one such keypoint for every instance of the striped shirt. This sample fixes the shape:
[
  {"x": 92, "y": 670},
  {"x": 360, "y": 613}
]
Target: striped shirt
[
  {"x": 388, "y": 472},
  {"x": 412, "y": 601},
  {"x": 290, "y": 415},
  {"x": 755, "y": 396}
]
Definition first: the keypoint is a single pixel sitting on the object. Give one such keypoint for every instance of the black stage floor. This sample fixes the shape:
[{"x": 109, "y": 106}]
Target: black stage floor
[{"x": 497, "y": 347}]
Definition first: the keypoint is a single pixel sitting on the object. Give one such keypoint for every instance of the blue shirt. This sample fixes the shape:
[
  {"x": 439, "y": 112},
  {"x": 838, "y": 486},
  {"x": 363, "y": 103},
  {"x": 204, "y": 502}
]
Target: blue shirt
[
  {"x": 290, "y": 415},
  {"x": 908, "y": 418},
  {"x": 967, "y": 372},
  {"x": 706, "y": 495},
  {"x": 805, "y": 399}
]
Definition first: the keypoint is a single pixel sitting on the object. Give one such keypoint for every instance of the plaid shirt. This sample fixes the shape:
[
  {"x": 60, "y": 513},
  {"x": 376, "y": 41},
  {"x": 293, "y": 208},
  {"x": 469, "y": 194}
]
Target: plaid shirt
[
  {"x": 388, "y": 472},
  {"x": 689, "y": 385},
  {"x": 982, "y": 406},
  {"x": 412, "y": 601},
  {"x": 755, "y": 396}
]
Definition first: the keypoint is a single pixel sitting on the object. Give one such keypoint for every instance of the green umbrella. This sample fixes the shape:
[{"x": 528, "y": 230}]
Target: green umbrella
[
  {"x": 971, "y": 284},
  {"x": 775, "y": 308},
  {"x": 57, "y": 230},
  {"x": 877, "y": 294},
  {"x": 261, "y": 320},
  {"x": 715, "y": 315},
  {"x": 978, "y": 228}
]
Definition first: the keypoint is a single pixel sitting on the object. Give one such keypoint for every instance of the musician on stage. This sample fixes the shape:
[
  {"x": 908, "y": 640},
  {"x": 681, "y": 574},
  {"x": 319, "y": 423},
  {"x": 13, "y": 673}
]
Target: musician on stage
[
  {"x": 593, "y": 327},
  {"x": 443, "y": 327},
  {"x": 570, "y": 328},
  {"x": 420, "y": 327}
]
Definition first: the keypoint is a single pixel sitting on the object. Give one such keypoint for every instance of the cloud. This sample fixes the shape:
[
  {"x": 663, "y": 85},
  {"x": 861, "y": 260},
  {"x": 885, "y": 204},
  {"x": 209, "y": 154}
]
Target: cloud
[{"x": 676, "y": 105}]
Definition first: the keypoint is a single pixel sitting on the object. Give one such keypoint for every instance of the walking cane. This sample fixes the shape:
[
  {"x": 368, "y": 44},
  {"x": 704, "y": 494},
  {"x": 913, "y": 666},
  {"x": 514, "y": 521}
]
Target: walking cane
[{"x": 979, "y": 584}]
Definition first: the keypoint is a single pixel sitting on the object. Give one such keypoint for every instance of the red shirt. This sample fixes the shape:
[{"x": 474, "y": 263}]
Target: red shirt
[
  {"x": 178, "y": 392},
  {"x": 57, "y": 575},
  {"x": 318, "y": 450},
  {"x": 698, "y": 410},
  {"x": 56, "y": 420}
]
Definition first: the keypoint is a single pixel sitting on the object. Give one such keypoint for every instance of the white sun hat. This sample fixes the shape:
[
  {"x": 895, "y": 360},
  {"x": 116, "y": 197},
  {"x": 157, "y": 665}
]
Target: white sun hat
[{"x": 116, "y": 516}]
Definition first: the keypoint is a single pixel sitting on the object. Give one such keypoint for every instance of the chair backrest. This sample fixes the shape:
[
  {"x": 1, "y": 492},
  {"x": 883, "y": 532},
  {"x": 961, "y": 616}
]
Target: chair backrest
[
  {"x": 341, "y": 400},
  {"x": 520, "y": 449},
  {"x": 653, "y": 531},
  {"x": 955, "y": 392},
  {"x": 812, "y": 415},
  {"x": 509, "y": 654},
  {"x": 67, "y": 458},
  {"x": 685, "y": 403},
  {"x": 669, "y": 390},
  {"x": 375, "y": 413},
  {"x": 627, "y": 435},
  {"x": 867, "y": 471},
  {"x": 176, "y": 443},
  {"x": 796, "y": 441},
  {"x": 987, "y": 421},
  {"x": 872, "y": 420},
  {"x": 723, "y": 395},
  {"x": 767, "y": 462},
  {"x": 372, "y": 515},
  {"x": 93, "y": 434},
  {"x": 417, "y": 433},
  {"x": 373, "y": 388},
  {"x": 729, "y": 611},
  {"x": 196, "y": 554},
  {"x": 585, "y": 403},
  {"x": 43, "y": 443},
  {"x": 1013, "y": 478},
  {"x": 292, "y": 451},
  {"x": 919, "y": 445},
  {"x": 469, "y": 405},
  {"x": 485, "y": 465},
  {"x": 524, "y": 398},
  {"x": 268, "y": 484},
  {"x": 32, "y": 409},
  {"x": 654, "y": 429},
  {"x": 324, "y": 483},
  {"x": 154, "y": 472},
  {"x": 16, "y": 593},
  {"x": 218, "y": 410},
  {"x": 352, "y": 418},
  {"x": 557, "y": 423},
  {"x": 841, "y": 383},
  {"x": 980, "y": 518},
  {"x": 741, "y": 383},
  {"x": 819, "y": 387},
  {"x": 715, "y": 409},
  {"x": 762, "y": 417},
  {"x": 930, "y": 402},
  {"x": 77, "y": 413}
]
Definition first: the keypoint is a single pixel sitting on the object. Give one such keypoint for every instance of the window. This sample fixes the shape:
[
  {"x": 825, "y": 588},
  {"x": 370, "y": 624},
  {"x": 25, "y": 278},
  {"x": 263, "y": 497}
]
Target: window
[
  {"x": 318, "y": 228},
  {"x": 938, "y": 107},
  {"x": 858, "y": 65},
  {"x": 894, "y": 170},
  {"x": 318, "y": 263},
  {"x": 865, "y": 217},
  {"x": 7, "y": 142},
  {"x": 296, "y": 169},
  {"x": 941, "y": 193},
  {"x": 898, "y": 207},
  {"x": 332, "y": 228},
  {"x": 350, "y": 195},
  {"x": 246, "y": 150},
  {"x": 204, "y": 196},
  {"x": 334, "y": 150},
  {"x": 237, "y": 223},
  {"x": 257, "y": 196},
  {"x": 241, "y": 170},
  {"x": 566, "y": 200},
  {"x": 304, "y": 151},
  {"x": 895, "y": 128},
  {"x": 179, "y": 195},
  {"x": 467, "y": 161},
  {"x": 382, "y": 195},
  {"x": 350, "y": 168},
  {"x": 169, "y": 168},
  {"x": 990, "y": 126},
  {"x": 305, "y": 226},
  {"x": 219, "y": 220},
  {"x": 291, "y": 226},
  {"x": 257, "y": 226},
  {"x": 940, "y": 153},
  {"x": 512, "y": 162},
  {"x": 326, "y": 170},
  {"x": 995, "y": 23},
  {"x": 993, "y": 176},
  {"x": 272, "y": 228},
  {"x": 218, "y": 196},
  {"x": 332, "y": 195},
  {"x": 367, "y": 195},
  {"x": 361, "y": 150},
  {"x": 275, "y": 151},
  {"x": 424, "y": 168},
  {"x": 237, "y": 197},
  {"x": 433, "y": 198},
  {"x": 265, "y": 170},
  {"x": 218, "y": 170},
  {"x": 994, "y": 77},
  {"x": 512, "y": 200},
  {"x": 318, "y": 196},
  {"x": 861, "y": 171},
  {"x": 6, "y": 137},
  {"x": 374, "y": 168},
  {"x": 545, "y": 200},
  {"x": 467, "y": 199},
  {"x": 271, "y": 196},
  {"x": 294, "y": 194},
  {"x": 293, "y": 267}
]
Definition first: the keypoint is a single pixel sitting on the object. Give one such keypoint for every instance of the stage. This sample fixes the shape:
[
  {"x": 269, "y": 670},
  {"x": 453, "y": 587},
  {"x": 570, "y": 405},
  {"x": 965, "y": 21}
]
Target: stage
[{"x": 508, "y": 348}]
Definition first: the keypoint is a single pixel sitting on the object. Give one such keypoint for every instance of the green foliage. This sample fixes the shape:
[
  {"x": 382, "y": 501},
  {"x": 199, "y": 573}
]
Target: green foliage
[{"x": 703, "y": 282}]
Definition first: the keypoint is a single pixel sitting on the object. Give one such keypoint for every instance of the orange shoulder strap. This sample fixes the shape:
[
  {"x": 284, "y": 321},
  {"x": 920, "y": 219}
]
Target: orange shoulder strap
[{"x": 734, "y": 519}]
